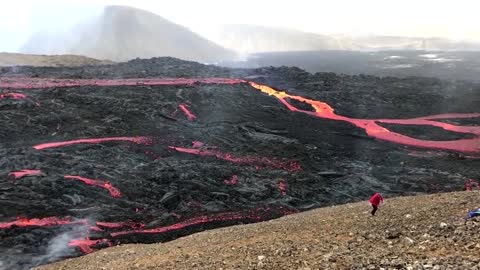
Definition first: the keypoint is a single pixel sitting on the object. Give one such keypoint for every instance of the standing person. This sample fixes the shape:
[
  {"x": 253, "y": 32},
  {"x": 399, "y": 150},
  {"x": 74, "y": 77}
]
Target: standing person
[{"x": 375, "y": 201}]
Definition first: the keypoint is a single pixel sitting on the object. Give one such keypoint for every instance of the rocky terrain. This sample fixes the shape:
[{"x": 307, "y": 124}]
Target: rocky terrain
[
  {"x": 151, "y": 150},
  {"x": 421, "y": 232},
  {"x": 18, "y": 59}
]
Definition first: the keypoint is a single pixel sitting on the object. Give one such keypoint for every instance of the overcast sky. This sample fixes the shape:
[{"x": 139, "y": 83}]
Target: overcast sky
[{"x": 457, "y": 19}]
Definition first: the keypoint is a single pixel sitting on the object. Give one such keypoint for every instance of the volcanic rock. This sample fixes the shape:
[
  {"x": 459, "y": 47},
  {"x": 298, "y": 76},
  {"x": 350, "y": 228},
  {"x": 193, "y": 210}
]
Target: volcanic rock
[{"x": 122, "y": 164}]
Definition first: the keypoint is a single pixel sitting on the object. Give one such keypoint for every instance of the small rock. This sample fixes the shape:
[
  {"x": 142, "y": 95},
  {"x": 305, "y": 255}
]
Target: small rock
[
  {"x": 397, "y": 263},
  {"x": 471, "y": 246},
  {"x": 409, "y": 240},
  {"x": 408, "y": 216},
  {"x": 443, "y": 225},
  {"x": 392, "y": 234},
  {"x": 261, "y": 258}
]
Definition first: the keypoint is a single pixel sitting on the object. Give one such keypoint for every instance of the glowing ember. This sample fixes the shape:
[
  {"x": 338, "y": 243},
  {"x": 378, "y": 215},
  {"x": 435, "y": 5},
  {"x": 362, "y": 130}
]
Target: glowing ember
[
  {"x": 38, "y": 83},
  {"x": 282, "y": 187},
  {"x": 232, "y": 181},
  {"x": 471, "y": 185},
  {"x": 136, "y": 140},
  {"x": 12, "y": 95},
  {"x": 85, "y": 245},
  {"x": 24, "y": 173},
  {"x": 114, "y": 192},
  {"x": 255, "y": 215},
  {"x": 263, "y": 161},
  {"x": 323, "y": 110},
  {"x": 197, "y": 144},
  {"x": 41, "y": 222},
  {"x": 187, "y": 112}
]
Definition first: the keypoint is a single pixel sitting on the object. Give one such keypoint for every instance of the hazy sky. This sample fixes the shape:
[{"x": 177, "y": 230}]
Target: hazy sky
[{"x": 446, "y": 18}]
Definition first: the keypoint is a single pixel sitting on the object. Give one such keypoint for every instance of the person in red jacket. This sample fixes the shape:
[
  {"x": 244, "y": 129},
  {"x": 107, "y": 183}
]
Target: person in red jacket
[{"x": 375, "y": 201}]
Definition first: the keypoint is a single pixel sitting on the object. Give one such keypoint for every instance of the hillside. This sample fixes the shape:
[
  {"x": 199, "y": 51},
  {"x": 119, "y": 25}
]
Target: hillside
[
  {"x": 123, "y": 33},
  {"x": 254, "y": 38},
  {"x": 18, "y": 59},
  {"x": 423, "y": 232}
]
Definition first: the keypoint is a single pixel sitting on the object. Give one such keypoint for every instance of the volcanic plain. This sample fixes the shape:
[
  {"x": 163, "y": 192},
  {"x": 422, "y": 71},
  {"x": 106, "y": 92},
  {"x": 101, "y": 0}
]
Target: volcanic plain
[{"x": 151, "y": 150}]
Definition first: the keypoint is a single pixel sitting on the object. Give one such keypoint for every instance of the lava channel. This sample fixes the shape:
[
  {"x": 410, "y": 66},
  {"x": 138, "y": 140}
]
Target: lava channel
[
  {"x": 114, "y": 192},
  {"x": 13, "y": 96},
  {"x": 85, "y": 245},
  {"x": 190, "y": 116},
  {"x": 323, "y": 110},
  {"x": 24, "y": 173},
  {"x": 136, "y": 140}
]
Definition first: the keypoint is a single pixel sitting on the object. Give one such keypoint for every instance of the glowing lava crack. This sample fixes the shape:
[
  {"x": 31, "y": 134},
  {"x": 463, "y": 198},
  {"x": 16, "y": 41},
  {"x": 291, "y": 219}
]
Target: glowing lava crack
[
  {"x": 117, "y": 230},
  {"x": 321, "y": 110},
  {"x": 114, "y": 192}
]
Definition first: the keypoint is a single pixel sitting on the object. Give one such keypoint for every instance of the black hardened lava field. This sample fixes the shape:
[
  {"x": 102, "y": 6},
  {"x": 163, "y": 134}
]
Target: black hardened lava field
[{"x": 152, "y": 150}]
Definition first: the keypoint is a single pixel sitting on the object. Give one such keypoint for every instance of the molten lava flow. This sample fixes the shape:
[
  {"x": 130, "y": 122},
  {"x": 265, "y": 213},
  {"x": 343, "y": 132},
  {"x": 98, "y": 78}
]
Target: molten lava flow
[
  {"x": 263, "y": 161},
  {"x": 41, "y": 222},
  {"x": 85, "y": 245},
  {"x": 12, "y": 95},
  {"x": 114, "y": 192},
  {"x": 190, "y": 116},
  {"x": 323, "y": 110},
  {"x": 24, "y": 173},
  {"x": 119, "y": 225},
  {"x": 232, "y": 181},
  {"x": 255, "y": 215},
  {"x": 38, "y": 83},
  {"x": 136, "y": 140}
]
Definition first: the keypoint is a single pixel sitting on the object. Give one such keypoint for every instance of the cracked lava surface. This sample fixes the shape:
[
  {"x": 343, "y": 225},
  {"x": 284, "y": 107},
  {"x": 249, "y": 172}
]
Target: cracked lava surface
[{"x": 134, "y": 183}]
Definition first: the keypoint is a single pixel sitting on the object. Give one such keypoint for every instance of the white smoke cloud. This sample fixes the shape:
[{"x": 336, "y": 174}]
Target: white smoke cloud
[{"x": 58, "y": 246}]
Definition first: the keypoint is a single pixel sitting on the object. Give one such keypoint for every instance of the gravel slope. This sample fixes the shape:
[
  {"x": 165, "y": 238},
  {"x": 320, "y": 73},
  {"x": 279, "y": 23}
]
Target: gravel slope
[{"x": 422, "y": 232}]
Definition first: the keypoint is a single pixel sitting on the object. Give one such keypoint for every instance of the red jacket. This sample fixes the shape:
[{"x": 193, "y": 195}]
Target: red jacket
[{"x": 376, "y": 199}]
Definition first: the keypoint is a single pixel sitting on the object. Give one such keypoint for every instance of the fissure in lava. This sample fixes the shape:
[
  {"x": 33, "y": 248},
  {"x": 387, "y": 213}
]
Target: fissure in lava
[
  {"x": 114, "y": 192},
  {"x": 320, "y": 110}
]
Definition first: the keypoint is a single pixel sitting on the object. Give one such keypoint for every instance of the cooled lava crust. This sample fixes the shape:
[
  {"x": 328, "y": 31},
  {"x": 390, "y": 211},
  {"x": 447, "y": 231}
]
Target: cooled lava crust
[{"x": 97, "y": 156}]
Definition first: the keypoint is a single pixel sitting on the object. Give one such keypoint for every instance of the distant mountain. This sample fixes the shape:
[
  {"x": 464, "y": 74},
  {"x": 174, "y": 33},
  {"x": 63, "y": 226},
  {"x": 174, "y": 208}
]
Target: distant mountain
[
  {"x": 122, "y": 33},
  {"x": 18, "y": 59},
  {"x": 252, "y": 39}
]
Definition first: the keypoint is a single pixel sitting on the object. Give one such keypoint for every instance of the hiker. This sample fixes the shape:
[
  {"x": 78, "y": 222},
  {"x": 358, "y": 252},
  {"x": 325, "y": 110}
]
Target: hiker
[
  {"x": 375, "y": 201},
  {"x": 473, "y": 213}
]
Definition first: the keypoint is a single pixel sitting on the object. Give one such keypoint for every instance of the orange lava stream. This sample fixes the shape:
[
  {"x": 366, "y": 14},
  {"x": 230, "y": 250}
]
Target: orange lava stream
[{"x": 323, "y": 110}]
